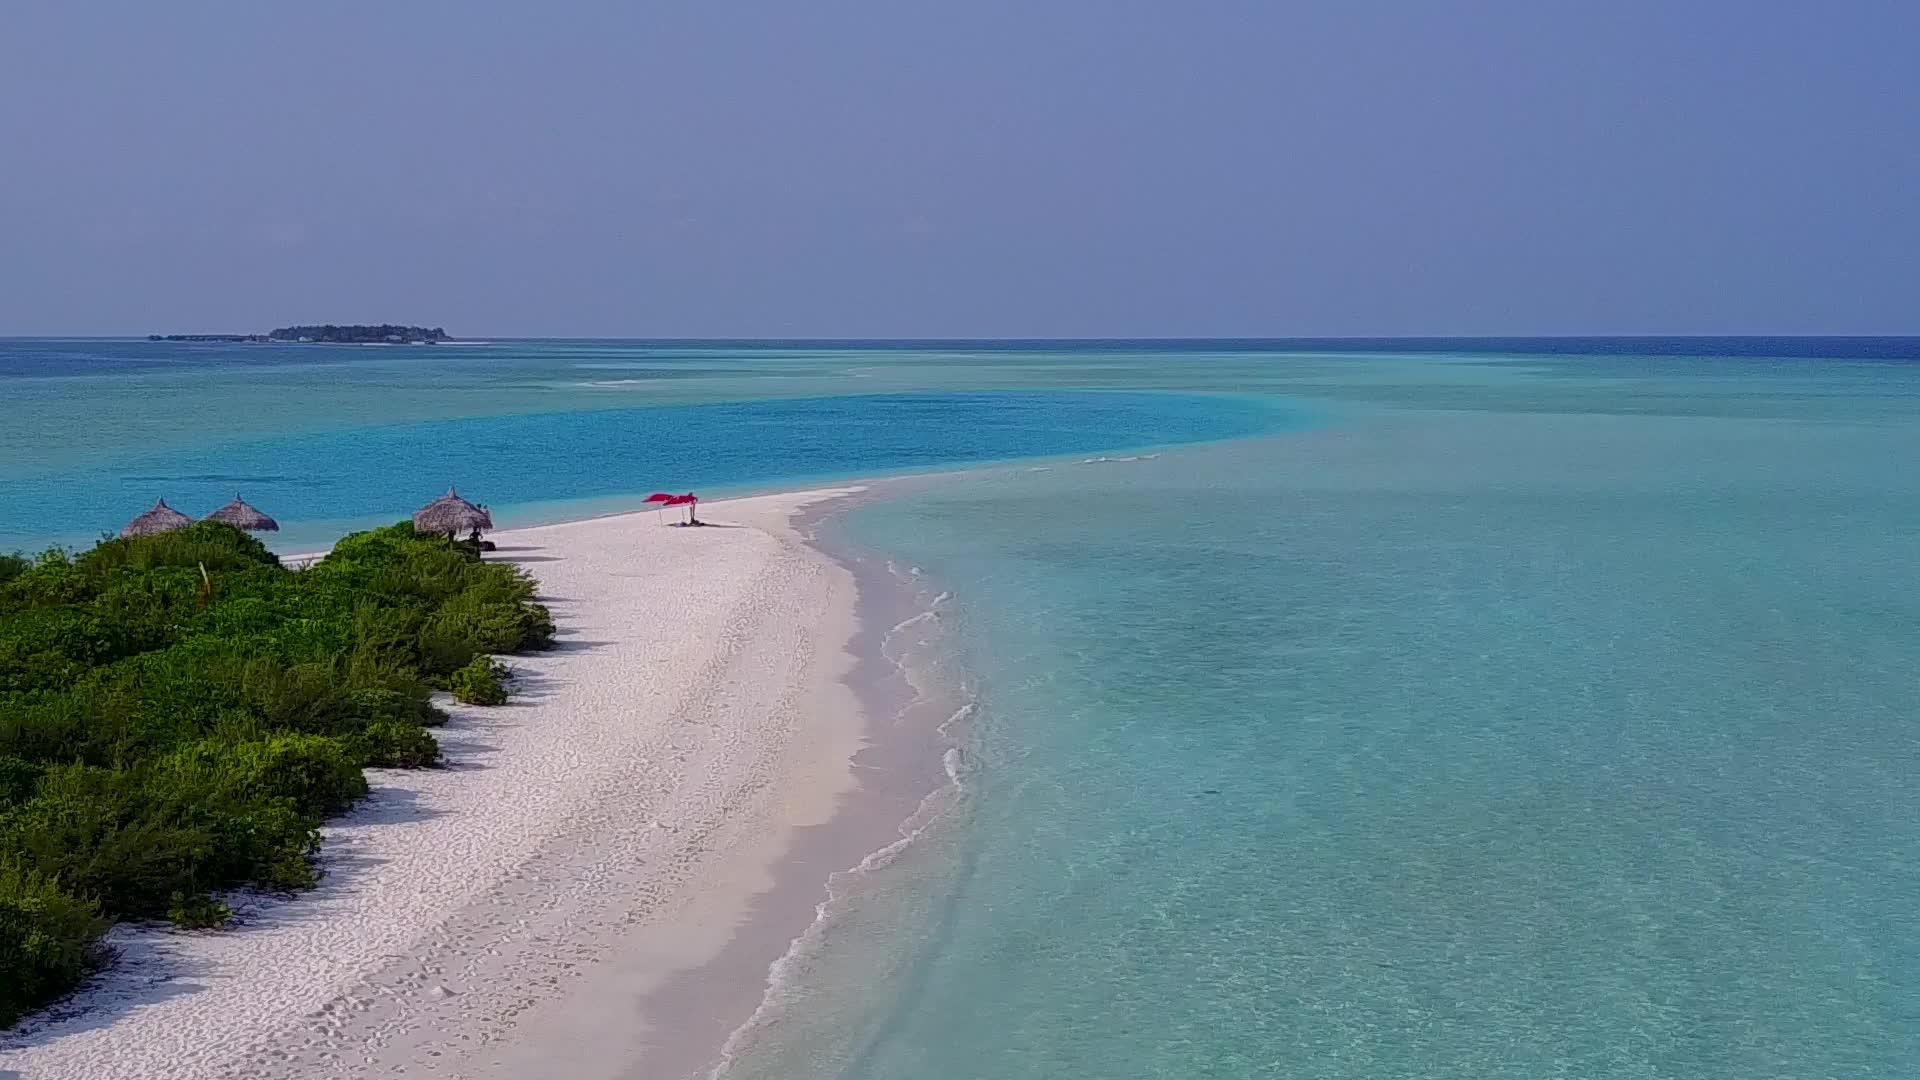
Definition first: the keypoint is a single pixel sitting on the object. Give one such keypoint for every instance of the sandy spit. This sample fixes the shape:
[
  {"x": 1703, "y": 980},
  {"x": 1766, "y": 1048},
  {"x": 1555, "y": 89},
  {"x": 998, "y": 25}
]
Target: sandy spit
[{"x": 629, "y": 803}]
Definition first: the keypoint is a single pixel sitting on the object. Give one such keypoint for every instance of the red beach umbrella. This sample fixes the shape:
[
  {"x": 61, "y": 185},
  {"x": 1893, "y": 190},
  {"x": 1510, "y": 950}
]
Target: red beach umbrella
[
  {"x": 665, "y": 499},
  {"x": 660, "y": 499}
]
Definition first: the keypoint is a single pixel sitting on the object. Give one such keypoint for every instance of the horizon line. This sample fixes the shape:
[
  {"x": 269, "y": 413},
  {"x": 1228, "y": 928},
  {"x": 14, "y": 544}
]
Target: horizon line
[{"x": 751, "y": 339}]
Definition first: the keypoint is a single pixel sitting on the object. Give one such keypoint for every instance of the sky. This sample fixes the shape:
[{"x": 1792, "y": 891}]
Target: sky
[{"x": 903, "y": 168}]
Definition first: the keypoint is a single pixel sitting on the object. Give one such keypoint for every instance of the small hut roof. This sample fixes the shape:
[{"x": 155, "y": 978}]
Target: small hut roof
[
  {"x": 162, "y": 518},
  {"x": 241, "y": 516},
  {"x": 451, "y": 514}
]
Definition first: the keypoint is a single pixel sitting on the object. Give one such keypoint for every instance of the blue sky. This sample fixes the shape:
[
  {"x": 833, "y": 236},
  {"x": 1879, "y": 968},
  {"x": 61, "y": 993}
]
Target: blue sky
[{"x": 906, "y": 168}]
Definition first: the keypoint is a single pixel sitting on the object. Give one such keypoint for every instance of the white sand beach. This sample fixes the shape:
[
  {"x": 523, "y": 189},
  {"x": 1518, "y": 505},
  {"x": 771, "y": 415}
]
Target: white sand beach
[{"x": 508, "y": 914}]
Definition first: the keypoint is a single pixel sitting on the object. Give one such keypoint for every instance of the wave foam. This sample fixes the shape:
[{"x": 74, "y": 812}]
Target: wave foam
[{"x": 787, "y": 975}]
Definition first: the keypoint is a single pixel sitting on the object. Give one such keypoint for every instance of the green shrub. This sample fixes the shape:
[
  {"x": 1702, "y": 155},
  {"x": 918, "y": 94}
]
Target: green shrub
[
  {"x": 317, "y": 773},
  {"x": 73, "y": 633},
  {"x": 198, "y": 912},
  {"x": 374, "y": 702},
  {"x": 482, "y": 682},
  {"x": 178, "y": 714},
  {"x": 23, "y": 668},
  {"x": 374, "y": 546},
  {"x": 106, "y": 835},
  {"x": 12, "y": 566},
  {"x": 49, "y": 939},
  {"x": 17, "y": 779},
  {"x": 51, "y": 580},
  {"x": 268, "y": 844},
  {"x": 537, "y": 629},
  {"x": 396, "y": 744},
  {"x": 212, "y": 544}
]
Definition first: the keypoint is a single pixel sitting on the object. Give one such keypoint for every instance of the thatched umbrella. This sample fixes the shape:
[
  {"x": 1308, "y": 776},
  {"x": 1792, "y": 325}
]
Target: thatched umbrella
[
  {"x": 241, "y": 516},
  {"x": 452, "y": 515},
  {"x": 162, "y": 518}
]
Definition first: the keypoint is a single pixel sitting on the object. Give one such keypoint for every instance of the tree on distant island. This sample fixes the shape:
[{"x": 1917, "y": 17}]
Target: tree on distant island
[{"x": 386, "y": 333}]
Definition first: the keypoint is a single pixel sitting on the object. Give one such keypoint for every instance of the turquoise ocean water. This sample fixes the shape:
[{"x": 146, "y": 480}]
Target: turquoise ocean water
[{"x": 1451, "y": 709}]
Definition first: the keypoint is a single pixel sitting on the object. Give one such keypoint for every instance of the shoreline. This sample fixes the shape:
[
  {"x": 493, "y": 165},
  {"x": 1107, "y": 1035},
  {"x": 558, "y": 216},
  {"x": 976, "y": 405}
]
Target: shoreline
[
  {"x": 610, "y": 898},
  {"x": 702, "y": 1000},
  {"x": 920, "y": 701}
]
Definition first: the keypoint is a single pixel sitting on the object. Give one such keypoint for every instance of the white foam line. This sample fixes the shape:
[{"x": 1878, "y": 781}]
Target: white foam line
[
  {"x": 912, "y": 621},
  {"x": 930, "y": 811},
  {"x": 780, "y": 974}
]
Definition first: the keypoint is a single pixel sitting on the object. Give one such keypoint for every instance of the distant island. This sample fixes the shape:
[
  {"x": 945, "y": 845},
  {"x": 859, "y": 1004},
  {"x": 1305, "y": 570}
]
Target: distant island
[
  {"x": 383, "y": 334},
  {"x": 359, "y": 335}
]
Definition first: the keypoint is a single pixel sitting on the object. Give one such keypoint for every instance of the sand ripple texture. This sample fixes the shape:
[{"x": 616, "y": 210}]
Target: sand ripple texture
[{"x": 458, "y": 899}]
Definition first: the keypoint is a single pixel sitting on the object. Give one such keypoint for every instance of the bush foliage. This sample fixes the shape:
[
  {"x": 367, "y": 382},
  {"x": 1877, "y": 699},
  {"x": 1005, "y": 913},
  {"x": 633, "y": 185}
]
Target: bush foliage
[
  {"x": 178, "y": 714},
  {"x": 483, "y": 682}
]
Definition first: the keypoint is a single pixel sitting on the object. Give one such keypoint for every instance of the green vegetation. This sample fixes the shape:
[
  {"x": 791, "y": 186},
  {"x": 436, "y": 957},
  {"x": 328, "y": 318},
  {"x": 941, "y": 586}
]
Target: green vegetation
[
  {"x": 358, "y": 334},
  {"x": 482, "y": 682},
  {"x": 46, "y": 939},
  {"x": 178, "y": 713}
]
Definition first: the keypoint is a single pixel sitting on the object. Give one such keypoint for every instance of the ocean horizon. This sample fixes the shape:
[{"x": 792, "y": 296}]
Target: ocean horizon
[{"x": 1466, "y": 707}]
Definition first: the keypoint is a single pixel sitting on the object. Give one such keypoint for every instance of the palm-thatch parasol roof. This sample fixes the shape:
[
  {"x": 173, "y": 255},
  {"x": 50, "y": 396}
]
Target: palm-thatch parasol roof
[
  {"x": 241, "y": 516},
  {"x": 162, "y": 518},
  {"x": 451, "y": 514}
]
